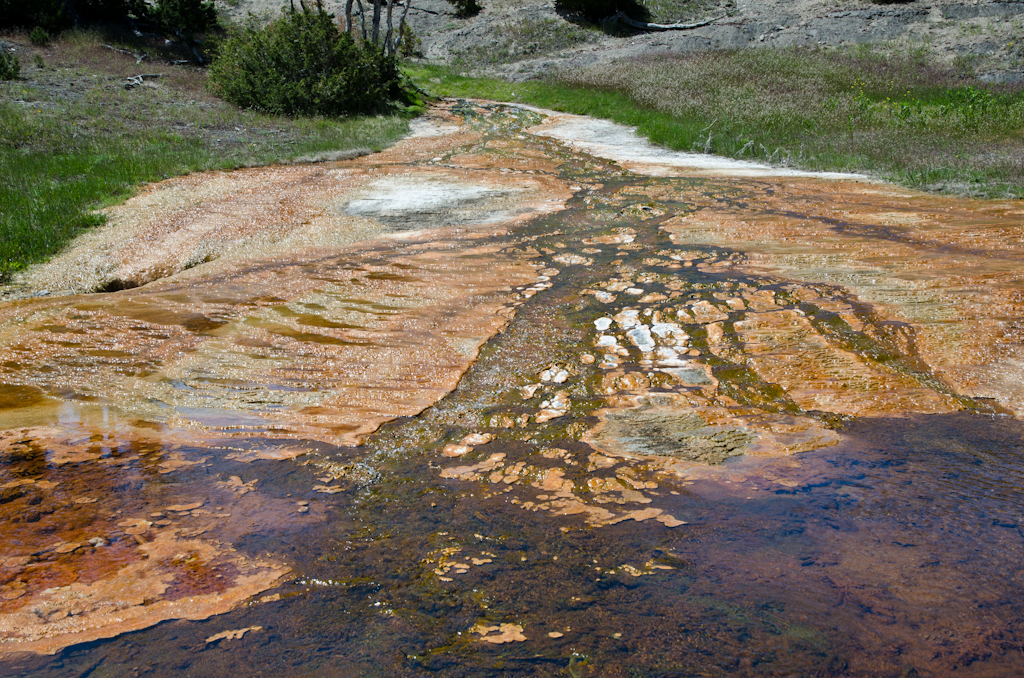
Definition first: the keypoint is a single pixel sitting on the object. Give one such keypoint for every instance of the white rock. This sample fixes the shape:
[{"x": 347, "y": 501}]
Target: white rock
[{"x": 641, "y": 338}]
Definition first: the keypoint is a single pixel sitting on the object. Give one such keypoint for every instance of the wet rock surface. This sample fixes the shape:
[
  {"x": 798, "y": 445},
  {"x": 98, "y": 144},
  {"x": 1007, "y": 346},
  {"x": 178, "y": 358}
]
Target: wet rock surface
[
  {"x": 582, "y": 412},
  {"x": 668, "y": 432}
]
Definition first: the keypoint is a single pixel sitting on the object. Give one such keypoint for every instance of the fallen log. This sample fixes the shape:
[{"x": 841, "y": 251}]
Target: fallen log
[{"x": 620, "y": 16}]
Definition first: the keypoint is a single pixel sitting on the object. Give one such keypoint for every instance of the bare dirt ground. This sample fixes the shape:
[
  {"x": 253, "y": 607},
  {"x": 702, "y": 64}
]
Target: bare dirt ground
[{"x": 520, "y": 39}]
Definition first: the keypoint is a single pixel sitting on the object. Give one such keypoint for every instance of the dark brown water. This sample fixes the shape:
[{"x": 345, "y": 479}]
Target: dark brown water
[{"x": 875, "y": 531}]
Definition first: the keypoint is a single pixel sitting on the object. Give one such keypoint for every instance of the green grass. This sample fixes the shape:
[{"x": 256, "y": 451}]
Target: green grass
[
  {"x": 897, "y": 115},
  {"x": 72, "y": 139}
]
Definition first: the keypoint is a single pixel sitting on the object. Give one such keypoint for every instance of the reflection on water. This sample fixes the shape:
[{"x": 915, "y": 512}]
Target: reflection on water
[
  {"x": 899, "y": 553},
  {"x": 684, "y": 426}
]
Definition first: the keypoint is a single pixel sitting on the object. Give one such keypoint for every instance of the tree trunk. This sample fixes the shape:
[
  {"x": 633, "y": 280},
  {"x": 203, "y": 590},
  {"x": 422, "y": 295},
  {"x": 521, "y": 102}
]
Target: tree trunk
[
  {"x": 348, "y": 16},
  {"x": 376, "y": 22},
  {"x": 389, "y": 47},
  {"x": 401, "y": 25},
  {"x": 362, "y": 17}
]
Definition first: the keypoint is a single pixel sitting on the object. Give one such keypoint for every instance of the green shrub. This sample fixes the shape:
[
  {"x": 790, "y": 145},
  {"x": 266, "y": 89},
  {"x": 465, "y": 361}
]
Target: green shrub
[
  {"x": 110, "y": 11},
  {"x": 10, "y": 67},
  {"x": 410, "y": 44},
  {"x": 302, "y": 64},
  {"x": 465, "y": 8},
  {"x": 54, "y": 16},
  {"x": 598, "y": 10},
  {"x": 186, "y": 17},
  {"x": 39, "y": 37},
  {"x": 48, "y": 14}
]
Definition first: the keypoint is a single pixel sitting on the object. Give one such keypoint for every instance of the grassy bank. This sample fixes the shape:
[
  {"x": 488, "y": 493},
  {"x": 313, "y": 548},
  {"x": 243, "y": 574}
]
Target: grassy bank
[
  {"x": 72, "y": 138},
  {"x": 898, "y": 115}
]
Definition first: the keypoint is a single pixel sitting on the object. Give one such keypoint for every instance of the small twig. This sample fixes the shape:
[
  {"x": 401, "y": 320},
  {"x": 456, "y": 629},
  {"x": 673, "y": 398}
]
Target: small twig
[
  {"x": 138, "y": 57},
  {"x": 620, "y": 16}
]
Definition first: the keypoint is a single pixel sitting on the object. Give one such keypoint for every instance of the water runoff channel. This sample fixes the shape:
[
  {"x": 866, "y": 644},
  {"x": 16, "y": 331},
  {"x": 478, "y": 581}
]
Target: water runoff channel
[{"x": 521, "y": 395}]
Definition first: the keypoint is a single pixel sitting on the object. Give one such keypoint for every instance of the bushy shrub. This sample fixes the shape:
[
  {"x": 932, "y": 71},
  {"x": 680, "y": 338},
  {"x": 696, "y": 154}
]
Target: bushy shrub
[
  {"x": 39, "y": 37},
  {"x": 465, "y": 8},
  {"x": 186, "y": 17},
  {"x": 410, "y": 45},
  {"x": 302, "y": 64},
  {"x": 49, "y": 14},
  {"x": 53, "y": 16},
  {"x": 110, "y": 11},
  {"x": 10, "y": 67},
  {"x": 597, "y": 10}
]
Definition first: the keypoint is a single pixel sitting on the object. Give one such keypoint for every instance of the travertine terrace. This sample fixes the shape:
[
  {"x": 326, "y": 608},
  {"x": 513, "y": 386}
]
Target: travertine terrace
[{"x": 518, "y": 386}]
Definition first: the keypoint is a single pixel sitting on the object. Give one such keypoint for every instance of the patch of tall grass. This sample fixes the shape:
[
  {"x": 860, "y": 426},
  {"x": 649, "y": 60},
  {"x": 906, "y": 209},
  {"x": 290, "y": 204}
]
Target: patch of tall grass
[{"x": 898, "y": 115}]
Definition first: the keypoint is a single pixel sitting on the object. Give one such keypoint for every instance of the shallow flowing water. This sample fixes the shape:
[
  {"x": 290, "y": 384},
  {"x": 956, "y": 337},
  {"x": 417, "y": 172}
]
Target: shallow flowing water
[{"x": 519, "y": 396}]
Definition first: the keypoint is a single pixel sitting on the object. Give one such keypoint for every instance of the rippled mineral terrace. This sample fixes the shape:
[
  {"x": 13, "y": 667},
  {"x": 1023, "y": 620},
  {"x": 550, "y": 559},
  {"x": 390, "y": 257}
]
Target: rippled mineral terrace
[{"x": 521, "y": 395}]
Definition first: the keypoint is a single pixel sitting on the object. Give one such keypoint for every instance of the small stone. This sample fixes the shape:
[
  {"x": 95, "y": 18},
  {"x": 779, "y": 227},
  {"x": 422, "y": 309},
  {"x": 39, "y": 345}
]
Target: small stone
[
  {"x": 555, "y": 634},
  {"x": 333, "y": 489},
  {"x": 505, "y": 633},
  {"x": 529, "y": 390},
  {"x": 456, "y": 450},
  {"x": 232, "y": 635},
  {"x": 185, "y": 507}
]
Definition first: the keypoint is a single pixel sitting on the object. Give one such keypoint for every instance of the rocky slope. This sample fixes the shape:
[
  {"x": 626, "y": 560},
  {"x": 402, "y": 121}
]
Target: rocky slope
[{"x": 519, "y": 39}]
